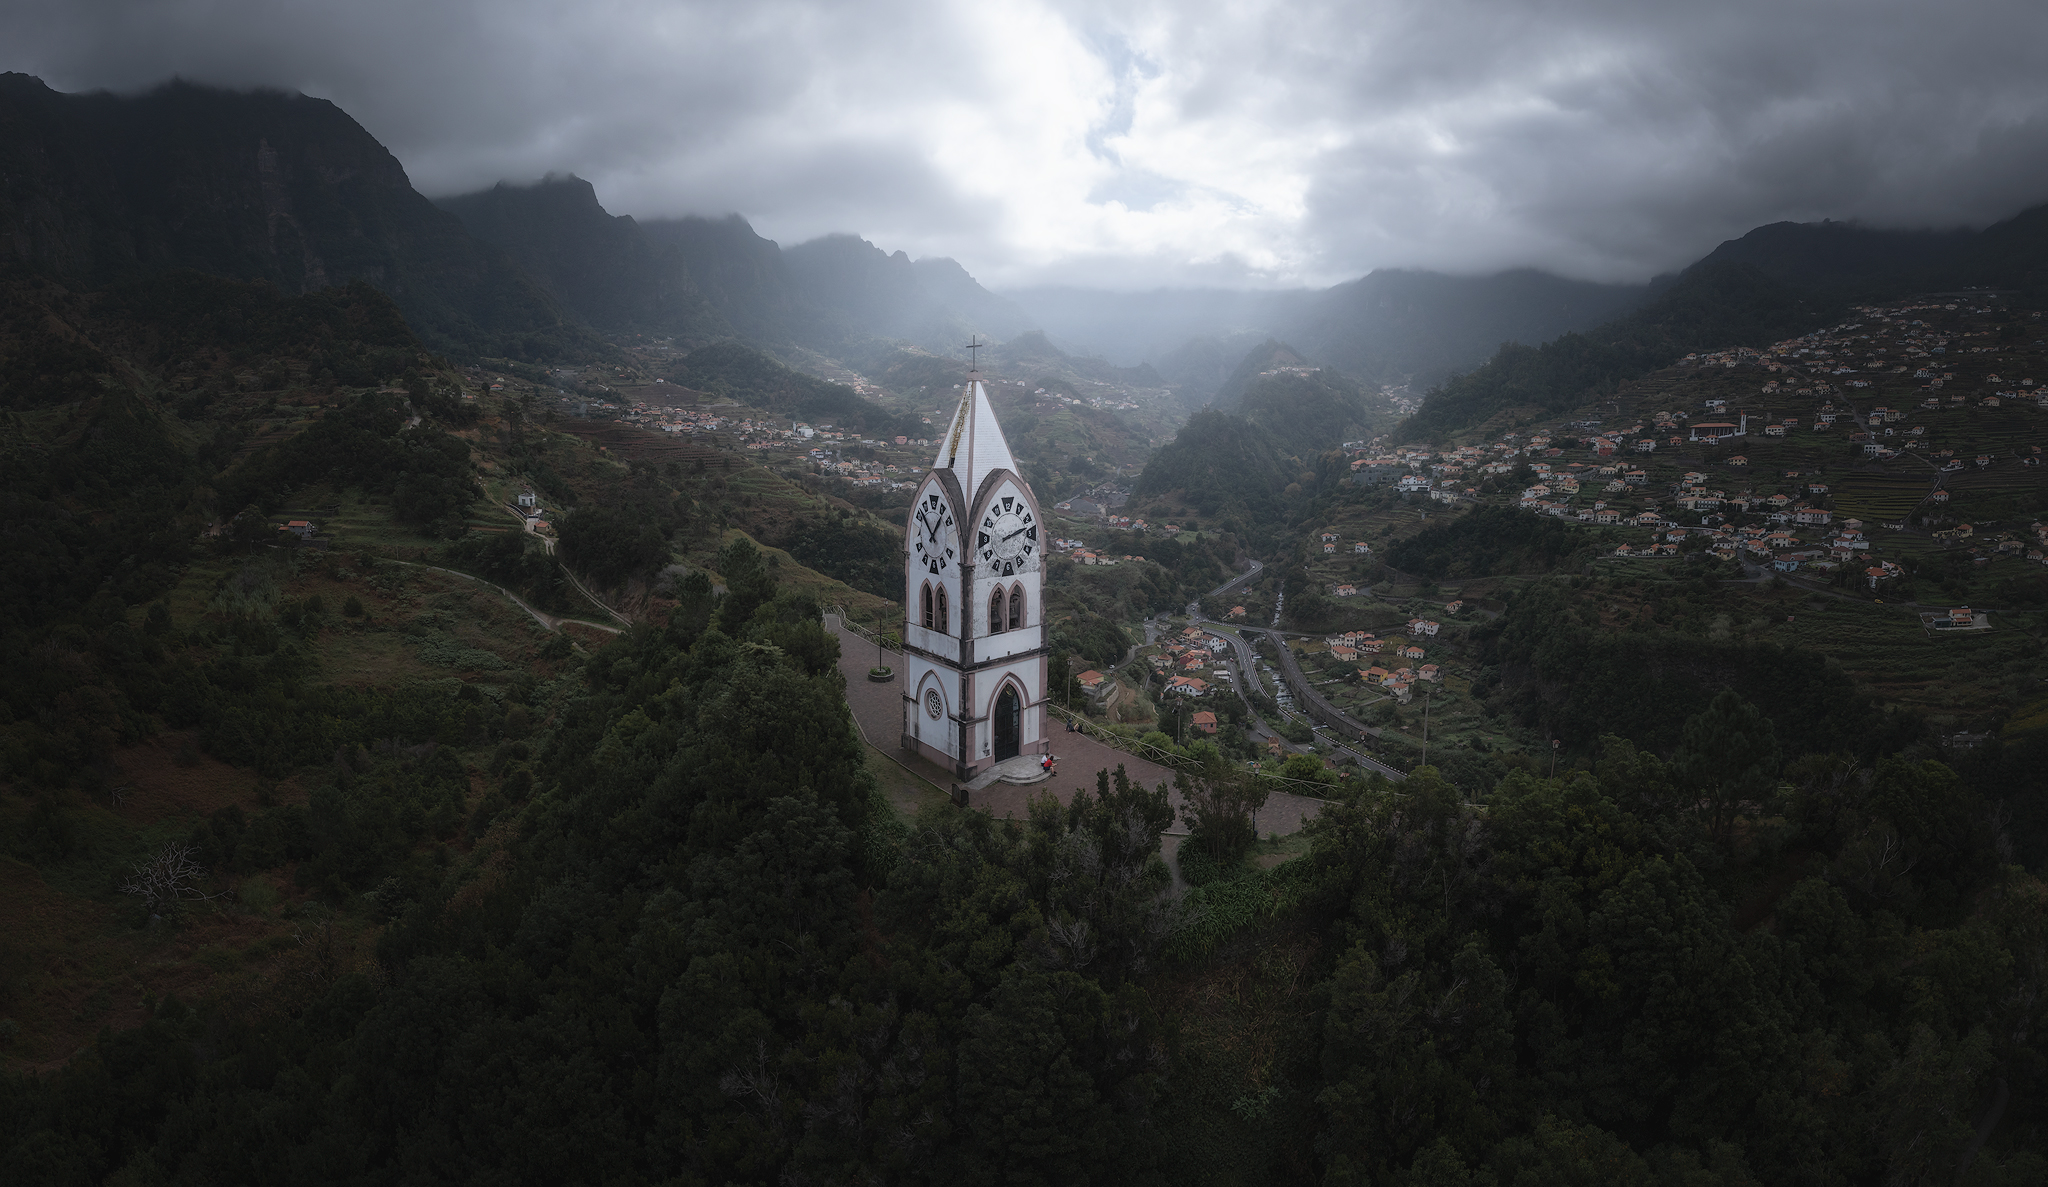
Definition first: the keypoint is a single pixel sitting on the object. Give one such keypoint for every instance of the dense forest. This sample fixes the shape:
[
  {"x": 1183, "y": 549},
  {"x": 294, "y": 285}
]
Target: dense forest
[
  {"x": 635, "y": 905},
  {"x": 701, "y": 949},
  {"x": 1220, "y": 465},
  {"x": 1494, "y": 541}
]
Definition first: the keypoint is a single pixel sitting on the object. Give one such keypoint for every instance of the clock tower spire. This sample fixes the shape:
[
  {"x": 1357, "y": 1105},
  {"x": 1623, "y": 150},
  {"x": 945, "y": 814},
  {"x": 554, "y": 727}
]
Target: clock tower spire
[{"x": 974, "y": 634}]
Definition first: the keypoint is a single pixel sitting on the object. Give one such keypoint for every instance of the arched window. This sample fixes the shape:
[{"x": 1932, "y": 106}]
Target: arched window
[
  {"x": 1016, "y": 606},
  {"x": 995, "y": 611},
  {"x": 928, "y": 606},
  {"x": 945, "y": 623}
]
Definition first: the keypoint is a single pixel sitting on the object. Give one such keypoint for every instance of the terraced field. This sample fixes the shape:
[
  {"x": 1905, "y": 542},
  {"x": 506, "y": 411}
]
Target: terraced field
[
  {"x": 631, "y": 443},
  {"x": 1884, "y": 496},
  {"x": 1946, "y": 676}
]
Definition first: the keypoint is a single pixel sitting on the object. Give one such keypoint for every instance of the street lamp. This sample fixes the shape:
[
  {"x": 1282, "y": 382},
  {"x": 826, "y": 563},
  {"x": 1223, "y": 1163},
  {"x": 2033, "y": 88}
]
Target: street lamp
[{"x": 1554, "y": 744}]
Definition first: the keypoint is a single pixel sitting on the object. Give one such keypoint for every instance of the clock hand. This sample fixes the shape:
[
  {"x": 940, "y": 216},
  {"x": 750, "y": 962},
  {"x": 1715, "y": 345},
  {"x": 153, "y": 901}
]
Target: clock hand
[{"x": 1015, "y": 534}]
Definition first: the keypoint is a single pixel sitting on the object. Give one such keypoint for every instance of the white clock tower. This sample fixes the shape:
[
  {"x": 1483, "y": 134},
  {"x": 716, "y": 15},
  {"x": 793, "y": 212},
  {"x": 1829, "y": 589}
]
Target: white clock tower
[{"x": 974, "y": 652}]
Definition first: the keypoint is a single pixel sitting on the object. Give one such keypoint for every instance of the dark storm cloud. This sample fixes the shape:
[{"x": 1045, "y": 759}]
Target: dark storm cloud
[
  {"x": 1616, "y": 140},
  {"x": 1139, "y": 143}
]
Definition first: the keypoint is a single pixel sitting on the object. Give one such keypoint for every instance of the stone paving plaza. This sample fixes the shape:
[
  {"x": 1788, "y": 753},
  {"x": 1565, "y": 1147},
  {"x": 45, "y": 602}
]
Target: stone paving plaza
[{"x": 878, "y": 708}]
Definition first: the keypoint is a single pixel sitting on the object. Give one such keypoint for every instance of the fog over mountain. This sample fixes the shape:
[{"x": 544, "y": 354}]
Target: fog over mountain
[
  {"x": 1394, "y": 325},
  {"x": 1136, "y": 145}
]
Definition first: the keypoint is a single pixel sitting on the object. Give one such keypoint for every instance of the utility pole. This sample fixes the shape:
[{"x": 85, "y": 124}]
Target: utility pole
[
  {"x": 1554, "y": 744},
  {"x": 1425, "y": 731}
]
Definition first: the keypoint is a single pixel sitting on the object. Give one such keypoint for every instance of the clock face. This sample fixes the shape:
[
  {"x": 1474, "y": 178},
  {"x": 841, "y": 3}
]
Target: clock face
[
  {"x": 935, "y": 542},
  {"x": 1007, "y": 541}
]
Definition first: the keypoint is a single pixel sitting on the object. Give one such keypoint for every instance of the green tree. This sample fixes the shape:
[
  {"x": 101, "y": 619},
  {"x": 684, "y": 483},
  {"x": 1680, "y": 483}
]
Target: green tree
[
  {"x": 748, "y": 584},
  {"x": 1729, "y": 755},
  {"x": 1093, "y": 864},
  {"x": 1306, "y": 767},
  {"x": 1219, "y": 804}
]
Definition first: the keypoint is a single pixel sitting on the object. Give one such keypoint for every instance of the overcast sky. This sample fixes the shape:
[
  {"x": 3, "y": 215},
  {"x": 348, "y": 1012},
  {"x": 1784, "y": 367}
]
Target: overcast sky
[{"x": 1133, "y": 144}]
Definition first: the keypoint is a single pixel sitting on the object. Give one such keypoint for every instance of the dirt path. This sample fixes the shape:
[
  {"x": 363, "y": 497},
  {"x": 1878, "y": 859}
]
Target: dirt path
[
  {"x": 548, "y": 543},
  {"x": 550, "y": 621}
]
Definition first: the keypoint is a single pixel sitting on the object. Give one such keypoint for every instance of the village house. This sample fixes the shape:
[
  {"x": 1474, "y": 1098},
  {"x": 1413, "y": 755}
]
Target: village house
[
  {"x": 1187, "y": 686},
  {"x": 1204, "y": 721}
]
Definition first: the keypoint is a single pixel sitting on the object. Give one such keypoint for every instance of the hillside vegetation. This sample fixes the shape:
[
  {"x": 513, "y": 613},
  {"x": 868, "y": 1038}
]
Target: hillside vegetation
[
  {"x": 356, "y": 829},
  {"x": 1712, "y": 306},
  {"x": 255, "y": 186},
  {"x": 749, "y": 377}
]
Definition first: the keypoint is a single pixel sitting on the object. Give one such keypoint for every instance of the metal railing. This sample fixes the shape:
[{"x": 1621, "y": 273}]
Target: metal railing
[{"x": 1164, "y": 758}]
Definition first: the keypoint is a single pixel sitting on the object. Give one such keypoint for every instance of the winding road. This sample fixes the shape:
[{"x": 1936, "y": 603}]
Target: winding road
[
  {"x": 1246, "y": 663},
  {"x": 548, "y": 543},
  {"x": 550, "y": 621}
]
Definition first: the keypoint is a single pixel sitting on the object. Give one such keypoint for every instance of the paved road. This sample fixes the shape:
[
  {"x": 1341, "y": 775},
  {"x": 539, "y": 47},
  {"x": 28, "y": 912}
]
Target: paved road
[
  {"x": 1306, "y": 693},
  {"x": 548, "y": 544},
  {"x": 1235, "y": 584},
  {"x": 1245, "y": 663}
]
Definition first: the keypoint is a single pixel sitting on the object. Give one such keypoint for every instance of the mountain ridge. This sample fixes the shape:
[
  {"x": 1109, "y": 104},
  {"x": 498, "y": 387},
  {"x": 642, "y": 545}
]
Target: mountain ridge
[{"x": 252, "y": 185}]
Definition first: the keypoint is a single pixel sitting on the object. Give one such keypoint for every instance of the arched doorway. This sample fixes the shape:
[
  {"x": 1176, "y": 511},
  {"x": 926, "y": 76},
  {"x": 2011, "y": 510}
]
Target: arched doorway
[{"x": 1009, "y": 722}]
